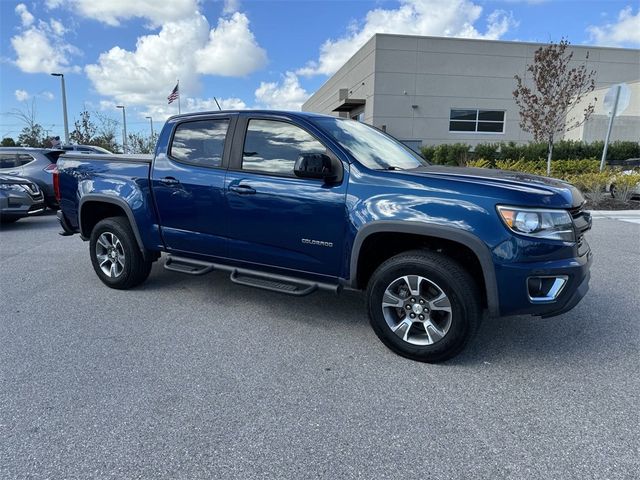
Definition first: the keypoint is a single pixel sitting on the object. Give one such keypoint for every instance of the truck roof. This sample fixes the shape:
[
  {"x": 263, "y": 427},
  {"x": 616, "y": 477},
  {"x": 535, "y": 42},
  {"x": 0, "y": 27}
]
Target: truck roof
[{"x": 289, "y": 113}]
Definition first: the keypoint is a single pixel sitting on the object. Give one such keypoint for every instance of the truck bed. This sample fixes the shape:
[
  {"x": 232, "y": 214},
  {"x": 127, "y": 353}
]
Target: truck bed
[{"x": 138, "y": 158}]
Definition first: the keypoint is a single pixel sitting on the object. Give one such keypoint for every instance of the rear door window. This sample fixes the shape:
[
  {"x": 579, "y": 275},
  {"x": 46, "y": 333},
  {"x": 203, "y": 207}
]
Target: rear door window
[
  {"x": 23, "y": 159},
  {"x": 8, "y": 160},
  {"x": 200, "y": 143}
]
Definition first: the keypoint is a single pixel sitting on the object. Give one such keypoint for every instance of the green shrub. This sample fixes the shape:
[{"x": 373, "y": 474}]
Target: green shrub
[
  {"x": 537, "y": 167},
  {"x": 592, "y": 185},
  {"x": 451, "y": 154},
  {"x": 565, "y": 168},
  {"x": 454, "y": 154},
  {"x": 529, "y": 152},
  {"x": 480, "y": 163},
  {"x": 619, "y": 151},
  {"x": 486, "y": 151},
  {"x": 623, "y": 186},
  {"x": 428, "y": 152}
]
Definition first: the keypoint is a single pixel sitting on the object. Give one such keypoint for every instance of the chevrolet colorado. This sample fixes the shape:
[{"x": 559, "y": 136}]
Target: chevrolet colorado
[{"x": 295, "y": 202}]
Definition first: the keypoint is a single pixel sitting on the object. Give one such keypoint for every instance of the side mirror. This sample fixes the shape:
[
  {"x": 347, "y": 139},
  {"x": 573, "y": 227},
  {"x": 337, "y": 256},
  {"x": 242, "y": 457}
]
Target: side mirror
[{"x": 316, "y": 165}]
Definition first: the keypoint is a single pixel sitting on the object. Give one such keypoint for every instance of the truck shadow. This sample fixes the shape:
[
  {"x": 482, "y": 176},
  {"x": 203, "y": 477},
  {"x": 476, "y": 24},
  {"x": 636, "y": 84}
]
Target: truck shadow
[
  {"x": 578, "y": 336},
  {"x": 591, "y": 332}
]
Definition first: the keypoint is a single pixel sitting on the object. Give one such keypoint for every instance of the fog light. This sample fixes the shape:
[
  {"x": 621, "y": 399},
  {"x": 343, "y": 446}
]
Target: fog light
[{"x": 545, "y": 289}]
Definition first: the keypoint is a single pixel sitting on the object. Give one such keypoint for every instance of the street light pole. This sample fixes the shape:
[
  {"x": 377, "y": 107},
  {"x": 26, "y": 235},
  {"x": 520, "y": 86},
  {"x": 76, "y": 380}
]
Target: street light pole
[
  {"x": 64, "y": 107},
  {"x": 151, "y": 123},
  {"x": 124, "y": 123}
]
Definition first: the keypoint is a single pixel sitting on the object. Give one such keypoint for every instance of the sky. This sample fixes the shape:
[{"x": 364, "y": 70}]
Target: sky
[{"x": 246, "y": 53}]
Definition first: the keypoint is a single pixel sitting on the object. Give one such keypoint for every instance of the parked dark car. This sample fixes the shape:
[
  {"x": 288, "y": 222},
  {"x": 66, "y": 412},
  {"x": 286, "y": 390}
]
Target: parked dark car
[
  {"x": 19, "y": 198},
  {"x": 36, "y": 164},
  {"x": 296, "y": 202},
  {"x": 86, "y": 149}
]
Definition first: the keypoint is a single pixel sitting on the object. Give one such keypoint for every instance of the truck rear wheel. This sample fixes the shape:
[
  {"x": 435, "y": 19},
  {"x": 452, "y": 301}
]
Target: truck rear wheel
[
  {"x": 115, "y": 255},
  {"x": 423, "y": 305}
]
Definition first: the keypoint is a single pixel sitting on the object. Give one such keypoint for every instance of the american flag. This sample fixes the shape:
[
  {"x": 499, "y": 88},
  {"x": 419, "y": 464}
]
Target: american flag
[{"x": 173, "y": 96}]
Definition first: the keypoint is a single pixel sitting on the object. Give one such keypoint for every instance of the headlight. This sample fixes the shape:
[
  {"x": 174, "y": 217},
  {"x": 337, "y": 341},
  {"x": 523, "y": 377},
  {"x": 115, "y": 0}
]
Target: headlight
[
  {"x": 12, "y": 186},
  {"x": 539, "y": 223}
]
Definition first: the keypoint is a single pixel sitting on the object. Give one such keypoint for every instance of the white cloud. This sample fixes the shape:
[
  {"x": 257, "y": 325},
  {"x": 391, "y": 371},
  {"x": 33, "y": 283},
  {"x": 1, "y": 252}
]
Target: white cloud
[
  {"x": 285, "y": 95},
  {"x": 232, "y": 49},
  {"x": 626, "y": 31},
  {"x": 107, "y": 105},
  {"x": 57, "y": 27},
  {"x": 231, "y": 6},
  {"x": 163, "y": 111},
  {"x": 204, "y": 104},
  {"x": 451, "y": 18},
  {"x": 25, "y": 16},
  {"x": 182, "y": 50},
  {"x": 21, "y": 95},
  {"x": 40, "y": 47},
  {"x": 39, "y": 50},
  {"x": 153, "y": 67},
  {"x": 112, "y": 12}
]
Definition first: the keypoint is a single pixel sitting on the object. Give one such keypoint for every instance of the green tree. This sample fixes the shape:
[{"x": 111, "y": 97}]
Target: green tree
[
  {"x": 546, "y": 106},
  {"x": 32, "y": 136},
  {"x": 84, "y": 130},
  {"x": 8, "y": 142},
  {"x": 101, "y": 133},
  {"x": 139, "y": 143},
  {"x": 32, "y": 133}
]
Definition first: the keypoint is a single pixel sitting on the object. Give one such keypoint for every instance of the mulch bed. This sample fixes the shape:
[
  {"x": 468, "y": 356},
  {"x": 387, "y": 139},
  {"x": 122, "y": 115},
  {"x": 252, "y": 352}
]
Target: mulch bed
[{"x": 609, "y": 203}]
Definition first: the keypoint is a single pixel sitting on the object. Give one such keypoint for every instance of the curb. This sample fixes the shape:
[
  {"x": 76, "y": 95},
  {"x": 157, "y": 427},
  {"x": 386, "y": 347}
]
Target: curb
[{"x": 615, "y": 213}]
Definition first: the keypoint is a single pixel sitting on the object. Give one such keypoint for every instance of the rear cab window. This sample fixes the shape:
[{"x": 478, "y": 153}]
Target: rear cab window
[{"x": 200, "y": 142}]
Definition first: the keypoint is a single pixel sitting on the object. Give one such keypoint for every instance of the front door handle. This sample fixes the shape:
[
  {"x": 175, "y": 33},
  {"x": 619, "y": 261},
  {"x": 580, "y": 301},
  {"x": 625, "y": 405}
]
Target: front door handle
[
  {"x": 170, "y": 181},
  {"x": 242, "y": 189}
]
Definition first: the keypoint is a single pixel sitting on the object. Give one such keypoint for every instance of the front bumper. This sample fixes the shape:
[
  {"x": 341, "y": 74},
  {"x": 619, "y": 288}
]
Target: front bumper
[
  {"x": 19, "y": 206},
  {"x": 514, "y": 294}
]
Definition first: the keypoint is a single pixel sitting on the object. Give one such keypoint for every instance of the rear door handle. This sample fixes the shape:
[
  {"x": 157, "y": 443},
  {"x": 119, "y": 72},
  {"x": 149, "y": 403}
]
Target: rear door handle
[
  {"x": 242, "y": 189},
  {"x": 170, "y": 181}
]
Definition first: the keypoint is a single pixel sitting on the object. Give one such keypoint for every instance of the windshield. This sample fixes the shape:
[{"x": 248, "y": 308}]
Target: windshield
[{"x": 371, "y": 147}]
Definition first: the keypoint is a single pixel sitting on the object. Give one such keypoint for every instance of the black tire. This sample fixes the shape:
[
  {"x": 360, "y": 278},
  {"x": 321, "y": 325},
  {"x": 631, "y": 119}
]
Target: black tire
[
  {"x": 135, "y": 268},
  {"x": 8, "y": 220},
  {"x": 447, "y": 275}
]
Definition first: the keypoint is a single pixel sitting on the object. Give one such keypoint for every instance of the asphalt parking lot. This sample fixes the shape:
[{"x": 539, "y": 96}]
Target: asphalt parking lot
[{"x": 195, "y": 377}]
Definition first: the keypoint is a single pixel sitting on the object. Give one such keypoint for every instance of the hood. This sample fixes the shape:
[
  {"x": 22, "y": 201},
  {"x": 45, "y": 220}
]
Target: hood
[
  {"x": 15, "y": 180},
  {"x": 514, "y": 181}
]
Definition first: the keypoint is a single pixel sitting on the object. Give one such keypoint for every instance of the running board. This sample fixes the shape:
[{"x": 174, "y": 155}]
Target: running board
[
  {"x": 188, "y": 266},
  {"x": 251, "y": 278}
]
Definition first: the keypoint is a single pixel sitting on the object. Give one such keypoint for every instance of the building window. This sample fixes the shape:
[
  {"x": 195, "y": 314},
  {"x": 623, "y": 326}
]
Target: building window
[
  {"x": 475, "y": 120},
  {"x": 358, "y": 116}
]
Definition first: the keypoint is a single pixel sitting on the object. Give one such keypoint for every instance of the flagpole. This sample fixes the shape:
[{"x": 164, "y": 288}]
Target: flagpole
[{"x": 178, "y": 96}]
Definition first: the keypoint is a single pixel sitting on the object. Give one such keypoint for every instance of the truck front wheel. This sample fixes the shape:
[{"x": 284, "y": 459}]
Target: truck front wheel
[
  {"x": 423, "y": 305},
  {"x": 115, "y": 255}
]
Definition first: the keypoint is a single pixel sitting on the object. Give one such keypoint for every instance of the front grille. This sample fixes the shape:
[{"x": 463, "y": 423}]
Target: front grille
[
  {"x": 582, "y": 224},
  {"x": 32, "y": 189}
]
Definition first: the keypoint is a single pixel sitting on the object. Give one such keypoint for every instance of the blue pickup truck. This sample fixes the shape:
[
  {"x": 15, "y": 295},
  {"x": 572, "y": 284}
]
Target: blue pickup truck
[{"x": 296, "y": 202}]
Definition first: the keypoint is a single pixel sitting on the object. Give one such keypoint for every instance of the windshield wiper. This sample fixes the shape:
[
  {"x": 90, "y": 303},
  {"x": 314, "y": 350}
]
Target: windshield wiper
[{"x": 391, "y": 167}]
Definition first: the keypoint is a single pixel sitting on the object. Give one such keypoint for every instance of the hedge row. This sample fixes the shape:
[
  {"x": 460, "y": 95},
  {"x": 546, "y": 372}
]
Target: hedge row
[
  {"x": 461, "y": 153},
  {"x": 584, "y": 174},
  {"x": 562, "y": 169}
]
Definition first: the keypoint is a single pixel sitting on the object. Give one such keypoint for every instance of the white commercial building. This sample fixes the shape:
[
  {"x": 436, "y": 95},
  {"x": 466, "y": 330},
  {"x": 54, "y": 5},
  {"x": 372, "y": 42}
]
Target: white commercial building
[{"x": 431, "y": 90}]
